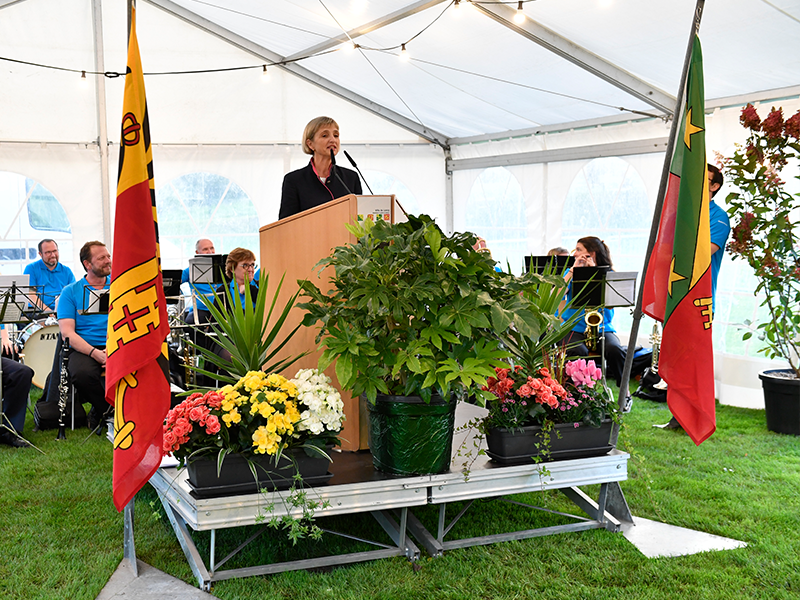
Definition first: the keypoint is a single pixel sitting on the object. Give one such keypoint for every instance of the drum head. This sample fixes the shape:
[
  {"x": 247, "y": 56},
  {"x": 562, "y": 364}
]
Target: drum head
[{"x": 39, "y": 348}]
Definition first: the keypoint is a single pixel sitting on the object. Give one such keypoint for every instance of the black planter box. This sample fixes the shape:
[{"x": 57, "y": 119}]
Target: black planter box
[
  {"x": 236, "y": 477},
  {"x": 518, "y": 446},
  {"x": 781, "y": 401}
]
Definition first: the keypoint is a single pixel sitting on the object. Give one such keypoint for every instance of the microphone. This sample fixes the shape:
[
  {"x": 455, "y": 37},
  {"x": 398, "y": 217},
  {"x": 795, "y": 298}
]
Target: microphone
[
  {"x": 355, "y": 166},
  {"x": 336, "y": 172}
]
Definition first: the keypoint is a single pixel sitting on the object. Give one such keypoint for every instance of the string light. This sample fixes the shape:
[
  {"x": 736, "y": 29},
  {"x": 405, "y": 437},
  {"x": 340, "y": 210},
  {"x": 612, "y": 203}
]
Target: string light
[
  {"x": 349, "y": 46},
  {"x": 457, "y": 4},
  {"x": 403, "y": 52},
  {"x": 519, "y": 18},
  {"x": 84, "y": 81},
  {"x": 264, "y": 73}
]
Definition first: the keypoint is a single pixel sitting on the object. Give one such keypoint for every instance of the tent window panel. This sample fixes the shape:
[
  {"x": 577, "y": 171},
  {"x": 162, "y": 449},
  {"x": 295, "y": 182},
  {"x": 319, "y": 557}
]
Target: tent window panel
[
  {"x": 45, "y": 212},
  {"x": 385, "y": 184},
  {"x": 496, "y": 212},
  {"x": 204, "y": 205}
]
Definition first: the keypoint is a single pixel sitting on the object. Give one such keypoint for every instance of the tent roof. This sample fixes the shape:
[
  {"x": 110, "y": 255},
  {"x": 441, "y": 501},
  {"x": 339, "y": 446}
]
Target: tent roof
[{"x": 473, "y": 72}]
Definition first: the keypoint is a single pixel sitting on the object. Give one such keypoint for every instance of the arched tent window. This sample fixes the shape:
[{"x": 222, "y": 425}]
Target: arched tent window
[
  {"x": 204, "y": 205},
  {"x": 496, "y": 212},
  {"x": 608, "y": 199},
  {"x": 383, "y": 183},
  {"x": 30, "y": 213}
]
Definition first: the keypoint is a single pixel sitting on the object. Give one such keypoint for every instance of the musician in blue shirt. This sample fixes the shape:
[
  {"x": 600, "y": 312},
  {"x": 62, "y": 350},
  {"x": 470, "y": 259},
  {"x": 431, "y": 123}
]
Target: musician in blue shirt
[
  {"x": 48, "y": 275},
  {"x": 87, "y": 333},
  {"x": 199, "y": 314}
]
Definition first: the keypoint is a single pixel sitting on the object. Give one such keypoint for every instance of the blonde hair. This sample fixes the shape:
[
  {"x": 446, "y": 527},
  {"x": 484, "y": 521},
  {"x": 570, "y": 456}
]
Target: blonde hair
[{"x": 314, "y": 125}]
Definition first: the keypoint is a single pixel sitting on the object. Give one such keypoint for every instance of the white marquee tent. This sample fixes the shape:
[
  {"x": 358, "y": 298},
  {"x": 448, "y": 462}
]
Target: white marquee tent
[{"x": 507, "y": 129}]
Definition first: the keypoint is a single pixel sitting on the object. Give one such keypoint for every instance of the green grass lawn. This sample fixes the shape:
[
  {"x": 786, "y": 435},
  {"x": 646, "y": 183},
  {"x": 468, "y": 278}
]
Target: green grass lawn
[{"x": 62, "y": 538}]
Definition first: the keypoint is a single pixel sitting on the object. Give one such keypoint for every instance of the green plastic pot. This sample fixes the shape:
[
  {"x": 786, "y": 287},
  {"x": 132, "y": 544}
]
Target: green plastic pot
[{"x": 409, "y": 437}]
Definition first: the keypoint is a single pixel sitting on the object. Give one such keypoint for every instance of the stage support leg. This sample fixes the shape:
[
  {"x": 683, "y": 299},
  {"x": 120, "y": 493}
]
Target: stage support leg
[
  {"x": 617, "y": 505},
  {"x": 129, "y": 549}
]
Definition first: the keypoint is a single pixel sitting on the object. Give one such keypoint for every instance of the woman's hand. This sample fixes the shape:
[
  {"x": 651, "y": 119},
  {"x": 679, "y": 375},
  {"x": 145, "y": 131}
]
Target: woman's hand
[{"x": 584, "y": 260}]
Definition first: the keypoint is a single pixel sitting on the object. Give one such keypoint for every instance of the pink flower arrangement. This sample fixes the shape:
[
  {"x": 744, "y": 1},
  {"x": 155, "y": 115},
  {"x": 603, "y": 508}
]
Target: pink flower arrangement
[
  {"x": 193, "y": 419},
  {"x": 570, "y": 395}
]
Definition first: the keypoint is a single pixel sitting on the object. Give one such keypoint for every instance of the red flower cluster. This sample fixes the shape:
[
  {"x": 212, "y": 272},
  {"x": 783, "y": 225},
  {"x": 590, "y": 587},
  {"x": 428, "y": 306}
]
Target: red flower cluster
[
  {"x": 196, "y": 409},
  {"x": 543, "y": 389},
  {"x": 773, "y": 124},
  {"x": 749, "y": 118},
  {"x": 792, "y": 125},
  {"x": 742, "y": 234}
]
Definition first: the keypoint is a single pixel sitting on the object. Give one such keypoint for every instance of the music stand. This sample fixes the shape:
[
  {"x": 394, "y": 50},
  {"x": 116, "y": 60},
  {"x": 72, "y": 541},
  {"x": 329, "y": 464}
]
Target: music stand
[
  {"x": 172, "y": 284},
  {"x": 95, "y": 302},
  {"x": 13, "y": 302},
  {"x": 548, "y": 264}
]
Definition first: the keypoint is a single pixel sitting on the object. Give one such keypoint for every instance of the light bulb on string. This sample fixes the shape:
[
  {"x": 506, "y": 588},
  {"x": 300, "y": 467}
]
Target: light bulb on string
[
  {"x": 519, "y": 17},
  {"x": 403, "y": 52},
  {"x": 264, "y": 73},
  {"x": 84, "y": 80}
]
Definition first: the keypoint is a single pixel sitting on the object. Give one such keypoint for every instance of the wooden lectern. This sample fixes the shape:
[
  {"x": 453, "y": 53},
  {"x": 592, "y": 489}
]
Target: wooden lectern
[{"x": 293, "y": 246}]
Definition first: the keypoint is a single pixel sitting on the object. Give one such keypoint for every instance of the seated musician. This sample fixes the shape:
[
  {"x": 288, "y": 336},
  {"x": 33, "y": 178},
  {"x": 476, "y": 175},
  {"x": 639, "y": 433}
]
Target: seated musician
[
  {"x": 593, "y": 252},
  {"x": 48, "y": 275},
  {"x": 239, "y": 267},
  {"x": 199, "y": 314},
  {"x": 87, "y": 332},
  {"x": 16, "y": 387}
]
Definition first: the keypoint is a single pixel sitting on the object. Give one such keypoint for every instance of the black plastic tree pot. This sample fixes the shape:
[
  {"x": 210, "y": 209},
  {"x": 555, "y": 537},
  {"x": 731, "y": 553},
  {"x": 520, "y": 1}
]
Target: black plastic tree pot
[
  {"x": 781, "y": 400},
  {"x": 409, "y": 437}
]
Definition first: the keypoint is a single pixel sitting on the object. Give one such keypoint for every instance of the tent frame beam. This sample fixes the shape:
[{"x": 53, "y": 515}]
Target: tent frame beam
[
  {"x": 272, "y": 57},
  {"x": 353, "y": 34},
  {"x": 594, "y": 64},
  {"x": 630, "y": 148}
]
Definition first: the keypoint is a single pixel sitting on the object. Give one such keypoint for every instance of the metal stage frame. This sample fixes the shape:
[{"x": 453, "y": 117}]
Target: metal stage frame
[{"x": 357, "y": 488}]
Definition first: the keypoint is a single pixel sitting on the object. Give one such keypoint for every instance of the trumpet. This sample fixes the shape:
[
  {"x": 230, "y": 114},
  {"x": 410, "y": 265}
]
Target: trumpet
[
  {"x": 655, "y": 341},
  {"x": 593, "y": 320}
]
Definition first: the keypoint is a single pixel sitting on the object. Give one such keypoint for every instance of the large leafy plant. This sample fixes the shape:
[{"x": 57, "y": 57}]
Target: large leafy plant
[
  {"x": 765, "y": 233},
  {"x": 415, "y": 312}
]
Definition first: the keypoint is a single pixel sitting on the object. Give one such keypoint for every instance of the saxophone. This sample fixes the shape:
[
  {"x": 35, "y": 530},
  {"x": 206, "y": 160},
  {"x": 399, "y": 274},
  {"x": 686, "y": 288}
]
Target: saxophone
[
  {"x": 63, "y": 389},
  {"x": 593, "y": 320}
]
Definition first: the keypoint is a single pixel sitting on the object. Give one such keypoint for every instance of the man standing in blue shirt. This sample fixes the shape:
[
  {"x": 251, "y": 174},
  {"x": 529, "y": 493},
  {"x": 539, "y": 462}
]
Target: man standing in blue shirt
[
  {"x": 49, "y": 275},
  {"x": 87, "y": 332},
  {"x": 720, "y": 228},
  {"x": 200, "y": 313}
]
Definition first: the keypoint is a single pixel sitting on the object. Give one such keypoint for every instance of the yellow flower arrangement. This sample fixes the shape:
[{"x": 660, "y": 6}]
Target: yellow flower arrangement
[{"x": 264, "y": 407}]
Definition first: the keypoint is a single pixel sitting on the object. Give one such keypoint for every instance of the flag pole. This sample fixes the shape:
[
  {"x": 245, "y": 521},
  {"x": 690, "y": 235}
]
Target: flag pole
[
  {"x": 128, "y": 544},
  {"x": 662, "y": 188}
]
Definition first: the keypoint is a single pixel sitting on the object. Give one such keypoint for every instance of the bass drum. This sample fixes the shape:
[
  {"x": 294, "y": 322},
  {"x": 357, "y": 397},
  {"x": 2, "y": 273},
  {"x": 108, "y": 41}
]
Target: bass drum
[{"x": 38, "y": 342}]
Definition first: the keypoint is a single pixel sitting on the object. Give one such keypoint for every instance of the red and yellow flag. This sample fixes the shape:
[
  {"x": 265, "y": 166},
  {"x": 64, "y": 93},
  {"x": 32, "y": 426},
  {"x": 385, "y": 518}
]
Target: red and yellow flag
[
  {"x": 137, "y": 371},
  {"x": 677, "y": 287}
]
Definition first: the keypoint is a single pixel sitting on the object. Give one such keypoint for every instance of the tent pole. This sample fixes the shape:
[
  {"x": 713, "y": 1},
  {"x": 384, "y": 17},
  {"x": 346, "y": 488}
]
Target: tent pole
[
  {"x": 662, "y": 188},
  {"x": 102, "y": 121}
]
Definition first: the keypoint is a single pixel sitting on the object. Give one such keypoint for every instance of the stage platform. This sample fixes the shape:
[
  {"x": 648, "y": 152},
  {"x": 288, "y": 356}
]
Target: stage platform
[{"x": 357, "y": 488}]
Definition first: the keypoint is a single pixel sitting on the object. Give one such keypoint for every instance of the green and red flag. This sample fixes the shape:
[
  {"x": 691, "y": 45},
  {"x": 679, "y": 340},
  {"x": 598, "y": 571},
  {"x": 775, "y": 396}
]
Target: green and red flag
[
  {"x": 677, "y": 288},
  {"x": 137, "y": 372}
]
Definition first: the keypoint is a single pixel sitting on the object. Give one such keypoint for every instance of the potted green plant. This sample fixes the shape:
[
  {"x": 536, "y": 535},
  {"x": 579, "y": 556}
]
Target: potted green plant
[
  {"x": 412, "y": 321},
  {"x": 765, "y": 235}
]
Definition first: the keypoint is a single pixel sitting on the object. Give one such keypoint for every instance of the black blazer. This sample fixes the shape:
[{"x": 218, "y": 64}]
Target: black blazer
[{"x": 302, "y": 189}]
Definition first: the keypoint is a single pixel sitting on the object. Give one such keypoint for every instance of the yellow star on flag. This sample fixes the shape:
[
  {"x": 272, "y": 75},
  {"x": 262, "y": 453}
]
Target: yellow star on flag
[
  {"x": 673, "y": 276},
  {"x": 690, "y": 130}
]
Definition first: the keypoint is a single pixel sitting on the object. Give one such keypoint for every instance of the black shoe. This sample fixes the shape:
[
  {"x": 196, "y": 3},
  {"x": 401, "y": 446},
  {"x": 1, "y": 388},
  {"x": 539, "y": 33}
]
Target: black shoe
[
  {"x": 9, "y": 439},
  {"x": 673, "y": 424},
  {"x": 628, "y": 405}
]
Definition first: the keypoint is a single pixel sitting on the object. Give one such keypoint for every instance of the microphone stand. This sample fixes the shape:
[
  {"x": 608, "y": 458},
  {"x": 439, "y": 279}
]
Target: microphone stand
[
  {"x": 336, "y": 172},
  {"x": 355, "y": 166}
]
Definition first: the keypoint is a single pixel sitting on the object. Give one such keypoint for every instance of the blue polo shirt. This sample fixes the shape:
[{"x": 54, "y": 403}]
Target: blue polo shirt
[
  {"x": 49, "y": 283},
  {"x": 201, "y": 289},
  {"x": 720, "y": 228},
  {"x": 74, "y": 298}
]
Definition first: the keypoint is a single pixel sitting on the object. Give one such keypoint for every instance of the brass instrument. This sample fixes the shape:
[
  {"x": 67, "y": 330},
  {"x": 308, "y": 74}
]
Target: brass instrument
[
  {"x": 63, "y": 389},
  {"x": 655, "y": 342},
  {"x": 594, "y": 319}
]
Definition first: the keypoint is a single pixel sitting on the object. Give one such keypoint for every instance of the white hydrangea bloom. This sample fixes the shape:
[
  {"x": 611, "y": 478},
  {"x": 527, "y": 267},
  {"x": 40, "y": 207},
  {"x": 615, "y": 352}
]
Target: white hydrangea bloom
[{"x": 320, "y": 404}]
